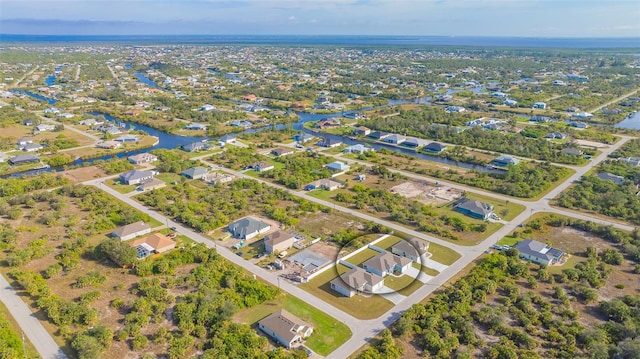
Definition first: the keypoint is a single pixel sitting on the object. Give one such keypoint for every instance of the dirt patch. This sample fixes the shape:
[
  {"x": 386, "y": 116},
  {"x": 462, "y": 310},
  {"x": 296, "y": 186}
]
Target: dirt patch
[
  {"x": 591, "y": 144},
  {"x": 84, "y": 174},
  {"x": 325, "y": 249},
  {"x": 427, "y": 192}
]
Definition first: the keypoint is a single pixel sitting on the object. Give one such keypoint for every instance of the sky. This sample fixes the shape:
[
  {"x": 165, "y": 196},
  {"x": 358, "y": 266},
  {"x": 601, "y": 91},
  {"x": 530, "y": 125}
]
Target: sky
[{"x": 511, "y": 18}]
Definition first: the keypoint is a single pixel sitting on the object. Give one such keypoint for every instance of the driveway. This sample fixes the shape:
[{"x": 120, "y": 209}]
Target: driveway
[
  {"x": 434, "y": 265},
  {"x": 391, "y": 295}
]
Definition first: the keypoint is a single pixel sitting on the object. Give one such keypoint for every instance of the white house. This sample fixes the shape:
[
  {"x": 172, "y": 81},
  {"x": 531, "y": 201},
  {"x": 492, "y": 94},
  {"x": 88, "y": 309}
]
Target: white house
[
  {"x": 539, "y": 106},
  {"x": 356, "y": 281},
  {"x": 132, "y": 230},
  {"x": 387, "y": 263},
  {"x": 207, "y": 107}
]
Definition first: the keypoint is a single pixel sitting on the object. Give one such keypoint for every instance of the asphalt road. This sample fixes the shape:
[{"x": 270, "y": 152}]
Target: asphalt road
[{"x": 31, "y": 326}]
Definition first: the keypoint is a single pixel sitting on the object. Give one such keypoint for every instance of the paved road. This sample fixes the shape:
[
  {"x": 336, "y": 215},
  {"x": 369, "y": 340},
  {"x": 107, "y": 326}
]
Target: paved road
[
  {"x": 33, "y": 329},
  {"x": 25, "y": 76},
  {"x": 613, "y": 101}
]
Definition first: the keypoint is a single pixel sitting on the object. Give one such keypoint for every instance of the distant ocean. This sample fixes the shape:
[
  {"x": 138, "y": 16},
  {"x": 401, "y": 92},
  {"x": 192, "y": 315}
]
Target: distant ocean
[{"x": 525, "y": 42}]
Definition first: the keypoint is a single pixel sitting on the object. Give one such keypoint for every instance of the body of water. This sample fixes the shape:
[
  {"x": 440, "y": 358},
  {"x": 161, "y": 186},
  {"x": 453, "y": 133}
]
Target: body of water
[
  {"x": 631, "y": 122},
  {"x": 49, "y": 100},
  {"x": 478, "y": 41},
  {"x": 50, "y": 80},
  {"x": 147, "y": 81}
]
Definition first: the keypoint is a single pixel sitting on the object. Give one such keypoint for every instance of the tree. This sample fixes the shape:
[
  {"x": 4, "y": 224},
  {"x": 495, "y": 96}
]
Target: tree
[{"x": 118, "y": 251}]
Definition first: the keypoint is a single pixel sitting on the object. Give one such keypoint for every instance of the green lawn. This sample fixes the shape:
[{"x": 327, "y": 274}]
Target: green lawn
[
  {"x": 505, "y": 209},
  {"x": 442, "y": 254},
  {"x": 358, "y": 306},
  {"x": 121, "y": 188},
  {"x": 398, "y": 283},
  {"x": 323, "y": 194},
  {"x": 388, "y": 242},
  {"x": 329, "y": 333},
  {"x": 169, "y": 178},
  {"x": 361, "y": 257},
  {"x": 430, "y": 271}
]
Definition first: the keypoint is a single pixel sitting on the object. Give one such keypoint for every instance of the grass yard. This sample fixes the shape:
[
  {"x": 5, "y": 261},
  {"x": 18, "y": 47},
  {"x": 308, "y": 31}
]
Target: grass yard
[
  {"x": 169, "y": 178},
  {"x": 505, "y": 209},
  {"x": 121, "y": 188},
  {"x": 429, "y": 271},
  {"x": 329, "y": 333},
  {"x": 358, "y": 306},
  {"x": 398, "y": 283},
  {"x": 361, "y": 257}
]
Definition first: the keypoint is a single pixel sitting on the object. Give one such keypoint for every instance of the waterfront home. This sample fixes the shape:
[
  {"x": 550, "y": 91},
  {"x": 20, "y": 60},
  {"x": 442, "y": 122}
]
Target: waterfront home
[
  {"x": 329, "y": 142},
  {"x": 227, "y": 139},
  {"x": 379, "y": 135},
  {"x": 303, "y": 137},
  {"x": 539, "y": 106},
  {"x": 455, "y": 109},
  {"x": 434, "y": 147},
  {"x": 504, "y": 161},
  {"x": 395, "y": 139},
  {"x": 142, "y": 158},
  {"x": 128, "y": 139},
  {"x": 196, "y": 127},
  {"x": 281, "y": 151},
  {"x": 359, "y": 148},
  {"x": 414, "y": 142},
  {"x": 22, "y": 159},
  {"x": 361, "y": 131},
  {"x": 194, "y": 146}
]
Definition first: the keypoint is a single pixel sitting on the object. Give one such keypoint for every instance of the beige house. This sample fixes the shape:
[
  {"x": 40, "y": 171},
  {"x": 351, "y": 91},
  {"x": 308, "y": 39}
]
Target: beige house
[
  {"x": 285, "y": 328},
  {"x": 414, "y": 248},
  {"x": 357, "y": 280},
  {"x": 132, "y": 230},
  {"x": 155, "y": 243},
  {"x": 278, "y": 241}
]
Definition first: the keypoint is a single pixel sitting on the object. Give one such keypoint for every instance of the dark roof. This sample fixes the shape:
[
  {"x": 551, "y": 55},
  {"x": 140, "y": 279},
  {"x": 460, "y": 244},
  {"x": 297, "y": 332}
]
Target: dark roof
[
  {"x": 606, "y": 176},
  {"x": 435, "y": 146},
  {"x": 23, "y": 159},
  {"x": 378, "y": 134},
  {"x": 475, "y": 206},
  {"x": 194, "y": 172}
]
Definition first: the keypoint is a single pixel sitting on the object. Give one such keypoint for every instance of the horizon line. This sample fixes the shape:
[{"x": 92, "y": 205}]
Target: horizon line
[{"x": 342, "y": 35}]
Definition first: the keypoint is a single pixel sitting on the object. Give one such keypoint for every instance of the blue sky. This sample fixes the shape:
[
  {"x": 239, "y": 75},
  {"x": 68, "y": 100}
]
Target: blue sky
[{"x": 521, "y": 18}]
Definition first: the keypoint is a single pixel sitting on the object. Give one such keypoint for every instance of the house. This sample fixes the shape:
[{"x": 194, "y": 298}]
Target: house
[
  {"x": 218, "y": 177},
  {"x": 379, "y": 135},
  {"x": 473, "y": 208},
  {"x": 357, "y": 149},
  {"x": 248, "y": 227},
  {"x": 135, "y": 177},
  {"x": 539, "y": 106},
  {"x": 29, "y": 122},
  {"x": 414, "y": 142},
  {"x": 538, "y": 252},
  {"x": 634, "y": 161},
  {"x": 455, "y": 109},
  {"x": 285, "y": 328},
  {"x": 207, "y": 107},
  {"x": 195, "y": 172},
  {"x": 132, "y": 112},
  {"x": 606, "y": 176},
  {"x": 582, "y": 115},
  {"x": 356, "y": 281},
  {"x": 387, "y": 263},
  {"x": 151, "y": 184},
  {"x": 326, "y": 184},
  {"x": 280, "y": 151},
  {"x": 44, "y": 127},
  {"x": 413, "y": 249},
  {"x": 155, "y": 243},
  {"x": 327, "y": 123},
  {"x": 509, "y": 102},
  {"x": 196, "y": 127},
  {"x": 21, "y": 159},
  {"x": 249, "y": 98},
  {"x": 556, "y": 136},
  {"x": 395, "y": 139},
  {"x": 108, "y": 144},
  {"x": 194, "y": 146},
  {"x": 505, "y": 161},
  {"x": 278, "y": 241},
  {"x": 128, "y": 139},
  {"x": 572, "y": 152},
  {"x": 24, "y": 141},
  {"x": 337, "y": 166},
  {"x": 577, "y": 124},
  {"x": 361, "y": 131},
  {"x": 261, "y": 166},
  {"x": 32, "y": 147},
  {"x": 303, "y": 137},
  {"x": 227, "y": 139},
  {"x": 329, "y": 142},
  {"x": 130, "y": 231},
  {"x": 434, "y": 147},
  {"x": 90, "y": 122},
  {"x": 142, "y": 158}
]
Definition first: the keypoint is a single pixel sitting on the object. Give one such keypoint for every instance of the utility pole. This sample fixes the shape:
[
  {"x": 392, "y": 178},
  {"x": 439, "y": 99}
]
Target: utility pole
[{"x": 24, "y": 347}]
